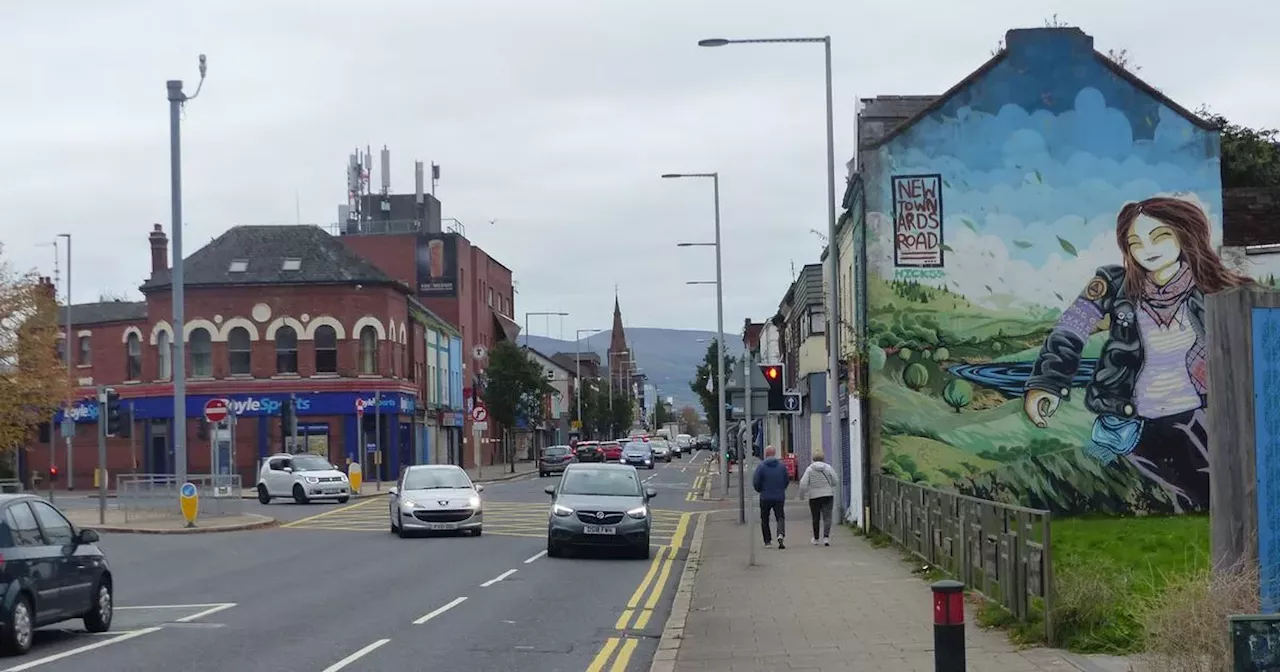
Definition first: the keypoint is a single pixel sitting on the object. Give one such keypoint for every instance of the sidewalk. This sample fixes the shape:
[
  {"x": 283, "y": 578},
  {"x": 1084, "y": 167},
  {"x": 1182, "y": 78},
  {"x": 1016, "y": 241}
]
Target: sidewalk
[
  {"x": 844, "y": 607},
  {"x": 141, "y": 524}
]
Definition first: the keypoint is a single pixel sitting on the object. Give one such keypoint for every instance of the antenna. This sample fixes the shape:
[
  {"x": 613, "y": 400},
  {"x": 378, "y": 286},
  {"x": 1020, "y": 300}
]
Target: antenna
[
  {"x": 386, "y": 170},
  {"x": 819, "y": 234}
]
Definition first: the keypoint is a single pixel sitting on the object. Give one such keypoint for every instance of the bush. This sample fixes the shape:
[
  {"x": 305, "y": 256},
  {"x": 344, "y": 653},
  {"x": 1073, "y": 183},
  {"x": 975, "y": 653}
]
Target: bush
[
  {"x": 876, "y": 358},
  {"x": 916, "y": 376},
  {"x": 905, "y": 354},
  {"x": 941, "y": 354},
  {"x": 1187, "y": 623},
  {"x": 958, "y": 393}
]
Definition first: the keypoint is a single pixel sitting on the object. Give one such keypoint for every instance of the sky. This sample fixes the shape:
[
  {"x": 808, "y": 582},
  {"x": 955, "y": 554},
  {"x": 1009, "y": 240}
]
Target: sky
[{"x": 551, "y": 121}]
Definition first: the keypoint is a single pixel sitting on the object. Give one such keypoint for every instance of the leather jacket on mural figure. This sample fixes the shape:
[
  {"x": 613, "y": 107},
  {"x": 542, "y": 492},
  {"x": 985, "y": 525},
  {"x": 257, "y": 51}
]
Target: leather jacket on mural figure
[{"x": 1112, "y": 389}]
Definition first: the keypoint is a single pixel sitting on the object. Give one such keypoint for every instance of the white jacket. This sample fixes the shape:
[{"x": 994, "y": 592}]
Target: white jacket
[{"x": 819, "y": 480}]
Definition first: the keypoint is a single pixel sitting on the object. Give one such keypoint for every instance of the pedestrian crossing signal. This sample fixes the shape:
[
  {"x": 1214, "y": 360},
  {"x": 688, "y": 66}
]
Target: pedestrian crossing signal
[{"x": 773, "y": 377}]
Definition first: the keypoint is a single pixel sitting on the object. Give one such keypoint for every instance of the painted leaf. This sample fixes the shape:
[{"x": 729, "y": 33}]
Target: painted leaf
[
  {"x": 1039, "y": 177},
  {"x": 1024, "y": 244},
  {"x": 972, "y": 227},
  {"x": 1059, "y": 296},
  {"x": 989, "y": 289},
  {"x": 947, "y": 248},
  {"x": 1068, "y": 247}
]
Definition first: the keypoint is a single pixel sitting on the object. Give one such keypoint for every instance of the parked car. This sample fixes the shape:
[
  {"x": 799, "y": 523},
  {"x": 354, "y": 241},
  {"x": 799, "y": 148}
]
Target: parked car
[
  {"x": 589, "y": 451},
  {"x": 612, "y": 451},
  {"x": 436, "y": 498},
  {"x": 599, "y": 505},
  {"x": 52, "y": 572},
  {"x": 304, "y": 477},
  {"x": 554, "y": 459},
  {"x": 637, "y": 454}
]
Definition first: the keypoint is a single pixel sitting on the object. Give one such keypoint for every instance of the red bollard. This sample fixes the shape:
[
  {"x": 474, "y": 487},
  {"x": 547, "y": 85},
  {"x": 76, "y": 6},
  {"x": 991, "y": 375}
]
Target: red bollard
[{"x": 948, "y": 626}]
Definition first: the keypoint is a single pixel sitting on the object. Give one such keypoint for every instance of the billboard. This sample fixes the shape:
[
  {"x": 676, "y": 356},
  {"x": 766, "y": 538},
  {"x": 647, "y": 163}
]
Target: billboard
[{"x": 437, "y": 265}]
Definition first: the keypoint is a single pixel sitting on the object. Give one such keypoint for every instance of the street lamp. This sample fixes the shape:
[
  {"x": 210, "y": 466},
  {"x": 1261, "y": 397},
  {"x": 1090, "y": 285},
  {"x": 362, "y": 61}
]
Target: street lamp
[
  {"x": 577, "y": 373},
  {"x": 66, "y": 349},
  {"x": 833, "y": 307},
  {"x": 179, "y": 366},
  {"x": 526, "y": 322},
  {"x": 719, "y": 283}
]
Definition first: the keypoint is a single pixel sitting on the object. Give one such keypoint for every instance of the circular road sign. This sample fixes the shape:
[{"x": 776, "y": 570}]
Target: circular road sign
[
  {"x": 188, "y": 489},
  {"x": 360, "y": 407},
  {"x": 792, "y": 403},
  {"x": 215, "y": 410},
  {"x": 479, "y": 413}
]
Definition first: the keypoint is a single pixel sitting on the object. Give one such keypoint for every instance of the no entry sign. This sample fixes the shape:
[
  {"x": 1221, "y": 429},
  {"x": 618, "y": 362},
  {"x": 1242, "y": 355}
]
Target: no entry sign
[
  {"x": 215, "y": 410},
  {"x": 359, "y": 407}
]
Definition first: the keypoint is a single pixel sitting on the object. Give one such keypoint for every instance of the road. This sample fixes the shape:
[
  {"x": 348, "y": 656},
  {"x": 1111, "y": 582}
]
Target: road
[{"x": 333, "y": 590}]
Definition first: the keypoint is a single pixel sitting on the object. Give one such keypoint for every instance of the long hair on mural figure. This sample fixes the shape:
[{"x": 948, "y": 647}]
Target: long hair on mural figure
[{"x": 1148, "y": 386}]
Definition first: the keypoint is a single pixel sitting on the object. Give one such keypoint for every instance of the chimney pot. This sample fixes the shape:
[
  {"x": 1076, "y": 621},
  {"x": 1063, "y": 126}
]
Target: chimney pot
[{"x": 159, "y": 250}]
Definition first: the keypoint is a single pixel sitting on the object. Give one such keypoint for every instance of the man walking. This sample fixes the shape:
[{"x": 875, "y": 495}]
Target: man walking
[{"x": 770, "y": 480}]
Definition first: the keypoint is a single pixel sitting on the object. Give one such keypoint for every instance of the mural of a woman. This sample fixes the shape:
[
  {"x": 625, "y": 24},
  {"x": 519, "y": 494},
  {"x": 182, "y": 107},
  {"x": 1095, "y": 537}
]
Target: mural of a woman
[{"x": 1148, "y": 389}]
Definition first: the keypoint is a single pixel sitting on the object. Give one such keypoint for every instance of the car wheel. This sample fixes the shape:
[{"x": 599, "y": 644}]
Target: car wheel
[
  {"x": 642, "y": 553},
  {"x": 299, "y": 495},
  {"x": 476, "y": 532},
  {"x": 542, "y": 474},
  {"x": 99, "y": 617},
  {"x": 394, "y": 528},
  {"x": 404, "y": 534},
  {"x": 20, "y": 630},
  {"x": 343, "y": 500},
  {"x": 554, "y": 550},
  {"x": 264, "y": 497}
]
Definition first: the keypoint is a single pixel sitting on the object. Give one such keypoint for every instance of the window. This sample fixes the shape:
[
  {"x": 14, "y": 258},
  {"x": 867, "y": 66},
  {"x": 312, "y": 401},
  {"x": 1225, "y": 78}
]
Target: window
[
  {"x": 369, "y": 350},
  {"x": 240, "y": 352},
  {"x": 201, "y": 346},
  {"x": 326, "y": 349},
  {"x": 133, "y": 357},
  {"x": 490, "y": 297},
  {"x": 57, "y": 530},
  {"x": 238, "y": 266},
  {"x": 817, "y": 321},
  {"x": 22, "y": 523},
  {"x": 164, "y": 354},
  {"x": 291, "y": 264},
  {"x": 286, "y": 350},
  {"x": 86, "y": 352}
]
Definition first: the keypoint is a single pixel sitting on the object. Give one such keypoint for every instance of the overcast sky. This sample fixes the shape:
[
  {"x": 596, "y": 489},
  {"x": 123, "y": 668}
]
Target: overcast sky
[{"x": 552, "y": 117}]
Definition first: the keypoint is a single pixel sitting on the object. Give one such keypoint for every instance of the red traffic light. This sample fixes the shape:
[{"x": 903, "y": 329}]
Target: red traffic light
[
  {"x": 53, "y": 472},
  {"x": 771, "y": 372}
]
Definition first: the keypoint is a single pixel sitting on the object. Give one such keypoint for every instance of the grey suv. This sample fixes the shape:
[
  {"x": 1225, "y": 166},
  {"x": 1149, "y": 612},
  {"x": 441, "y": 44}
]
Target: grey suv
[{"x": 599, "y": 505}]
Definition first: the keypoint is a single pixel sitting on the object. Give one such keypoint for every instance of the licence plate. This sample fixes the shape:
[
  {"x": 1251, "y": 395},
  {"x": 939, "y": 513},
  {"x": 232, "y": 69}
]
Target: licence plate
[
  {"x": 599, "y": 529},
  {"x": 442, "y": 526}
]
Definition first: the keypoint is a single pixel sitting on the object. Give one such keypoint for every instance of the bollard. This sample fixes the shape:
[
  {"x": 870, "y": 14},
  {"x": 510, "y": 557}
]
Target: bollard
[{"x": 948, "y": 626}]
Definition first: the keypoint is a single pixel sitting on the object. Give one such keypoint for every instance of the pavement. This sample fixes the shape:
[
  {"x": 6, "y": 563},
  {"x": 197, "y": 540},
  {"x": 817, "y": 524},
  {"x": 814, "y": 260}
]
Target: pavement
[
  {"x": 117, "y": 521},
  {"x": 845, "y": 607},
  {"x": 331, "y": 589}
]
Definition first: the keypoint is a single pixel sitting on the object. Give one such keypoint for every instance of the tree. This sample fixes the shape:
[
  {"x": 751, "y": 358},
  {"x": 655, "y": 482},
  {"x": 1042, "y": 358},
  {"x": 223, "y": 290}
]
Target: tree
[
  {"x": 661, "y": 413},
  {"x": 514, "y": 385},
  {"x": 1250, "y": 157},
  {"x": 958, "y": 393},
  {"x": 704, "y": 385},
  {"x": 690, "y": 421},
  {"x": 622, "y": 415},
  {"x": 33, "y": 377}
]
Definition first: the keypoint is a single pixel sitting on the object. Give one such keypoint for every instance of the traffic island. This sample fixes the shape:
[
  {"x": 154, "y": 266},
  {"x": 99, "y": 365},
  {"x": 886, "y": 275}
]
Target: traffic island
[{"x": 115, "y": 522}]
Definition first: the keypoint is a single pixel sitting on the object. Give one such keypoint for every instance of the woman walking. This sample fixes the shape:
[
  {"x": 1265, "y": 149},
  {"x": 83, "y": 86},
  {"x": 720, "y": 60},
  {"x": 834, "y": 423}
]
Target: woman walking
[{"x": 818, "y": 485}]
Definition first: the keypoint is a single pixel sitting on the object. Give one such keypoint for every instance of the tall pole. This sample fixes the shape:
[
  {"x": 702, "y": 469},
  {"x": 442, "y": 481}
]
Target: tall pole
[
  {"x": 721, "y": 352},
  {"x": 66, "y": 437},
  {"x": 179, "y": 363},
  {"x": 833, "y": 305},
  {"x": 749, "y": 449}
]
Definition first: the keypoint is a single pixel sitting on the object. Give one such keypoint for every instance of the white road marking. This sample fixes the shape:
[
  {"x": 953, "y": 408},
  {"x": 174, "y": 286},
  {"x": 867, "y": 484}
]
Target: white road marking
[
  {"x": 439, "y": 611},
  {"x": 537, "y": 555},
  {"x": 498, "y": 578},
  {"x": 174, "y": 606},
  {"x": 355, "y": 656},
  {"x": 211, "y": 610},
  {"x": 82, "y": 649}
]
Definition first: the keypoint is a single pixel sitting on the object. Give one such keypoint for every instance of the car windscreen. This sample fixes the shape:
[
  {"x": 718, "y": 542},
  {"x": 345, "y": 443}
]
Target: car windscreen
[
  {"x": 617, "y": 482},
  {"x": 435, "y": 479},
  {"x": 637, "y": 447},
  {"x": 556, "y": 450},
  {"x": 311, "y": 463}
]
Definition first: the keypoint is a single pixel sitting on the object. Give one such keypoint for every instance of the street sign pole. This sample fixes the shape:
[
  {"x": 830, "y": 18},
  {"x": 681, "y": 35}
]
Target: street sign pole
[
  {"x": 102, "y": 451},
  {"x": 377, "y": 439},
  {"x": 742, "y": 450}
]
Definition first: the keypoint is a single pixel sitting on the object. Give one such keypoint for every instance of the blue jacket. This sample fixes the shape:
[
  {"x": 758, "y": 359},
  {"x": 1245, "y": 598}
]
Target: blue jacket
[{"x": 770, "y": 480}]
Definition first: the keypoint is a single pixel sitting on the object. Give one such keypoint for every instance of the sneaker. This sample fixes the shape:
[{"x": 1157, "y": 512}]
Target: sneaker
[
  {"x": 768, "y": 544},
  {"x": 780, "y": 544},
  {"x": 826, "y": 541},
  {"x": 814, "y": 541}
]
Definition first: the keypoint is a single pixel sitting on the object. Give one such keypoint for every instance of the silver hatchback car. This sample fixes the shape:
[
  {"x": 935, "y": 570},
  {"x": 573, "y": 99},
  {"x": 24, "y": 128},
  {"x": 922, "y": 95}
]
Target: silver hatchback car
[
  {"x": 599, "y": 505},
  {"x": 436, "y": 498}
]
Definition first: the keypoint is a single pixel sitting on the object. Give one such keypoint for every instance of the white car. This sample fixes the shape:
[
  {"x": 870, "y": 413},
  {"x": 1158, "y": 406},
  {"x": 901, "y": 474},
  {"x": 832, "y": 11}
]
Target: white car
[
  {"x": 436, "y": 498},
  {"x": 304, "y": 477}
]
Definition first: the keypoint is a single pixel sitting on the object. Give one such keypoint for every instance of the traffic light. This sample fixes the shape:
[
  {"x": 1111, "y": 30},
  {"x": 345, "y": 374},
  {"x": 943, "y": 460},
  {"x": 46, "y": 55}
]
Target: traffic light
[
  {"x": 53, "y": 473},
  {"x": 113, "y": 412},
  {"x": 46, "y": 433},
  {"x": 125, "y": 429},
  {"x": 774, "y": 374}
]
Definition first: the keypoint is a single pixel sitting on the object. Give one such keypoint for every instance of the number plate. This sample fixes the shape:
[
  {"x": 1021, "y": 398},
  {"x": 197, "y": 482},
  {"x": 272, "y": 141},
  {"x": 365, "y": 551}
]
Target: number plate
[
  {"x": 442, "y": 526},
  {"x": 599, "y": 529}
]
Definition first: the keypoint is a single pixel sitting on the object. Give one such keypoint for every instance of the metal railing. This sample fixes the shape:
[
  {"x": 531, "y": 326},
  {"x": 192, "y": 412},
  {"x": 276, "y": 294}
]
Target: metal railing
[
  {"x": 151, "y": 496},
  {"x": 1000, "y": 550},
  {"x": 8, "y": 485}
]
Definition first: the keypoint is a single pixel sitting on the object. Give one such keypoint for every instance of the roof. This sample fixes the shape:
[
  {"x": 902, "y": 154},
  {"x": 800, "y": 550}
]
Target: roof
[
  {"x": 323, "y": 259},
  {"x": 1016, "y": 36},
  {"x": 103, "y": 312},
  {"x": 883, "y": 114},
  {"x": 549, "y": 360}
]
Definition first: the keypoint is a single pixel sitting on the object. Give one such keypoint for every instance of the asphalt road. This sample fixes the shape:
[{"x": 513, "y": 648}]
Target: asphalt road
[{"x": 334, "y": 590}]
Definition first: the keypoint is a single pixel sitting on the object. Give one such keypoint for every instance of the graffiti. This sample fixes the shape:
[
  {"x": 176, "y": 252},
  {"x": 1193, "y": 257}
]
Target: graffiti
[
  {"x": 1058, "y": 362},
  {"x": 917, "y": 220}
]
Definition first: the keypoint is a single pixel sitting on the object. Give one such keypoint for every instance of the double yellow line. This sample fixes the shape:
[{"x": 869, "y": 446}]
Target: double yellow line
[{"x": 639, "y": 610}]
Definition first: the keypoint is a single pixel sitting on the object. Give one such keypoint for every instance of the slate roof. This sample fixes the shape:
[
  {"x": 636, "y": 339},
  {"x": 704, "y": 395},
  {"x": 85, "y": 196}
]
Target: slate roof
[
  {"x": 324, "y": 260},
  {"x": 103, "y": 312}
]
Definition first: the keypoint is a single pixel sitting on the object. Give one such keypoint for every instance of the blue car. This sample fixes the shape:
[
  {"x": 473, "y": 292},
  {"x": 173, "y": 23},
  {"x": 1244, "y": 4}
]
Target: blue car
[{"x": 637, "y": 454}]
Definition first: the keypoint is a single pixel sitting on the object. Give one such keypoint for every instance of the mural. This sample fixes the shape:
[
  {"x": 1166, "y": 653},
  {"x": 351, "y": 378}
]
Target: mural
[{"x": 1041, "y": 340}]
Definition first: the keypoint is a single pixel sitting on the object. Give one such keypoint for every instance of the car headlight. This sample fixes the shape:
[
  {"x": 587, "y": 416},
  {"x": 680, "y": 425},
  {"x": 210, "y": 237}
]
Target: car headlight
[
  {"x": 343, "y": 477},
  {"x": 475, "y": 501},
  {"x": 408, "y": 503},
  {"x": 312, "y": 480},
  {"x": 561, "y": 510},
  {"x": 638, "y": 512}
]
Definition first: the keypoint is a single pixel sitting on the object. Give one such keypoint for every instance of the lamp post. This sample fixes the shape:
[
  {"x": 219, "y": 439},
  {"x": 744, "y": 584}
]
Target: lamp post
[
  {"x": 721, "y": 419},
  {"x": 526, "y": 322},
  {"x": 176, "y": 100},
  {"x": 577, "y": 372},
  {"x": 833, "y": 306},
  {"x": 66, "y": 348}
]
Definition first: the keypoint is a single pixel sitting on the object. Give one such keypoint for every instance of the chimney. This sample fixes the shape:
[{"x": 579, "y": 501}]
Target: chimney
[
  {"x": 46, "y": 284},
  {"x": 159, "y": 250}
]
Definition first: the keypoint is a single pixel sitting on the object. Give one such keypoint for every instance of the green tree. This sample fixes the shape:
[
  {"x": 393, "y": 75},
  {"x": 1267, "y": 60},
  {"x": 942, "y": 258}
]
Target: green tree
[
  {"x": 708, "y": 394},
  {"x": 1250, "y": 157},
  {"x": 916, "y": 376},
  {"x": 958, "y": 393},
  {"x": 620, "y": 418},
  {"x": 514, "y": 385},
  {"x": 662, "y": 414}
]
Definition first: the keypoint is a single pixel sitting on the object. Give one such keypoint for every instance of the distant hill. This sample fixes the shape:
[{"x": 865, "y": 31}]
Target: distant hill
[{"x": 670, "y": 357}]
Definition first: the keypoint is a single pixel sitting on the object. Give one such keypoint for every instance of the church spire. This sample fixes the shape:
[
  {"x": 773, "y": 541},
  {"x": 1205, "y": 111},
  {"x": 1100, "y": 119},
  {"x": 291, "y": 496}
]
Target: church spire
[{"x": 619, "y": 357}]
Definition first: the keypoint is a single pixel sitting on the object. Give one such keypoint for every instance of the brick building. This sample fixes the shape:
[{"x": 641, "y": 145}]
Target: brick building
[{"x": 272, "y": 313}]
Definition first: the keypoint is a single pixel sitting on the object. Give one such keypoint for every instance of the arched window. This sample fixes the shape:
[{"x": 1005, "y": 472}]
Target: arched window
[
  {"x": 164, "y": 355},
  {"x": 133, "y": 357},
  {"x": 326, "y": 341},
  {"x": 239, "y": 352},
  {"x": 286, "y": 350},
  {"x": 369, "y": 350},
  {"x": 201, "y": 345}
]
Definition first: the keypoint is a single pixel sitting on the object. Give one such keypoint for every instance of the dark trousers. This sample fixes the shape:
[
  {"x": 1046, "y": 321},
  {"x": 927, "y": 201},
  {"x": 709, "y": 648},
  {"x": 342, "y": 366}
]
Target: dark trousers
[
  {"x": 1174, "y": 453},
  {"x": 820, "y": 508},
  {"x": 779, "y": 514}
]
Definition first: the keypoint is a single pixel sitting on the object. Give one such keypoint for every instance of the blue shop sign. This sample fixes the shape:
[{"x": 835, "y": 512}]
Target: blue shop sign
[{"x": 254, "y": 405}]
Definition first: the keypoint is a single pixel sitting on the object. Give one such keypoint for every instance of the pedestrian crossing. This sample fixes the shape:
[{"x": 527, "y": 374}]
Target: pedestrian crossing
[{"x": 512, "y": 519}]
